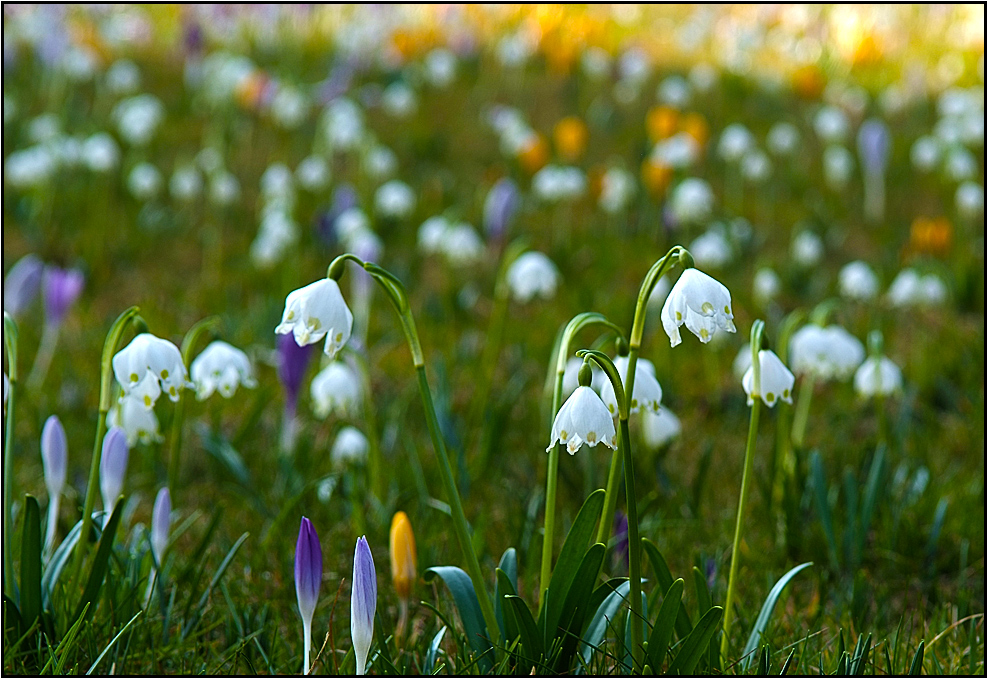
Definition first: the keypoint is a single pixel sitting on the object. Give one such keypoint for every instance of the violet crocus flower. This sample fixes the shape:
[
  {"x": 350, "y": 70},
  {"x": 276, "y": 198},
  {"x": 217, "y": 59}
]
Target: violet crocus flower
[
  {"x": 621, "y": 537},
  {"x": 160, "y": 525},
  {"x": 499, "y": 208},
  {"x": 112, "y": 469},
  {"x": 61, "y": 288},
  {"x": 308, "y": 577},
  {"x": 292, "y": 363},
  {"x": 873, "y": 147},
  {"x": 21, "y": 284},
  {"x": 54, "y": 458},
  {"x": 363, "y": 603}
]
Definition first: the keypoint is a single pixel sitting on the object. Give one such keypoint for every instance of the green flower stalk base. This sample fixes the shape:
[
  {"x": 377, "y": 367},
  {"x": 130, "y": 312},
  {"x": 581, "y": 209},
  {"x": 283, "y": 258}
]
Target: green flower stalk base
[{"x": 10, "y": 339}]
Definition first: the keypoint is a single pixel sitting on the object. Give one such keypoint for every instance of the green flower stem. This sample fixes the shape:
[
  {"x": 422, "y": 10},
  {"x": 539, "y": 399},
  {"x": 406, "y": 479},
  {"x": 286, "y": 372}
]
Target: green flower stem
[
  {"x": 105, "y": 401},
  {"x": 784, "y": 465},
  {"x": 375, "y": 460},
  {"x": 42, "y": 360},
  {"x": 802, "y": 414},
  {"x": 610, "y": 497},
  {"x": 574, "y": 326},
  {"x": 10, "y": 339},
  {"x": 749, "y": 456},
  {"x": 399, "y": 299},
  {"x": 178, "y": 418}
]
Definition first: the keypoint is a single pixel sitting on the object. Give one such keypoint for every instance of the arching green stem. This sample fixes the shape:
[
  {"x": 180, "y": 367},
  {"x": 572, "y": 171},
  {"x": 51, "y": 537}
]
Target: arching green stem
[
  {"x": 757, "y": 329},
  {"x": 556, "y": 373},
  {"x": 105, "y": 401},
  {"x": 785, "y": 464},
  {"x": 399, "y": 299},
  {"x": 10, "y": 340}
]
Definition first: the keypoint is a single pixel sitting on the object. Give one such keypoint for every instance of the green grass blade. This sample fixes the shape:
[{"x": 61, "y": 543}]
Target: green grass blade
[
  {"x": 114, "y": 641},
  {"x": 30, "y": 607},
  {"x": 433, "y": 653},
  {"x": 602, "y": 618},
  {"x": 664, "y": 578},
  {"x": 702, "y": 590},
  {"x": 788, "y": 663},
  {"x": 465, "y": 598},
  {"x": 194, "y": 619},
  {"x": 503, "y": 588},
  {"x": 819, "y": 483},
  {"x": 658, "y": 640},
  {"x": 766, "y": 613},
  {"x": 56, "y": 564},
  {"x": 916, "y": 666},
  {"x": 101, "y": 563}
]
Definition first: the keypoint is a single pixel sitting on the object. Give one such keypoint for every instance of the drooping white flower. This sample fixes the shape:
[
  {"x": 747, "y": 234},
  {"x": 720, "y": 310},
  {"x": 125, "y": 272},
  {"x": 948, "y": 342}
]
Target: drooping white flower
[
  {"x": 877, "y": 376},
  {"x": 185, "y": 183},
  {"x": 838, "y": 164},
  {"x": 782, "y": 139},
  {"x": 221, "y": 367},
  {"x": 583, "y": 419},
  {"x": 858, "y": 281},
  {"x": 776, "y": 380},
  {"x": 734, "y": 142},
  {"x": 925, "y": 153},
  {"x": 825, "y": 353},
  {"x": 960, "y": 164},
  {"x": 712, "y": 249},
  {"x": 343, "y": 124},
  {"x": 100, "y": 152},
  {"x": 659, "y": 428},
  {"x": 691, "y": 201},
  {"x": 351, "y": 222},
  {"x": 123, "y": 77},
  {"x": 755, "y": 166},
  {"x": 398, "y": 100},
  {"x": 394, "y": 199},
  {"x": 350, "y": 447},
  {"x": 336, "y": 389},
  {"x": 312, "y": 173},
  {"x": 144, "y": 181},
  {"x": 30, "y": 167},
  {"x": 432, "y": 233},
  {"x": 532, "y": 274},
  {"x": 462, "y": 245},
  {"x": 138, "y": 118},
  {"x": 647, "y": 395},
  {"x": 970, "y": 200},
  {"x": 700, "y": 302},
  {"x": 138, "y": 423},
  {"x": 224, "y": 188},
  {"x": 572, "y": 373},
  {"x": 807, "y": 248},
  {"x": 277, "y": 182},
  {"x": 674, "y": 91},
  {"x": 289, "y": 107},
  {"x": 440, "y": 67},
  {"x": 831, "y": 125},
  {"x": 617, "y": 188},
  {"x": 911, "y": 289},
  {"x": 766, "y": 285},
  {"x": 144, "y": 363},
  {"x": 318, "y": 310},
  {"x": 679, "y": 151},
  {"x": 555, "y": 183},
  {"x": 380, "y": 162}
]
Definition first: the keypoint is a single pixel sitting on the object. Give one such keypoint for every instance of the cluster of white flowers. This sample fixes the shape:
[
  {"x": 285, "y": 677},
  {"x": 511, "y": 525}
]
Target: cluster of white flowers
[
  {"x": 557, "y": 183},
  {"x": 691, "y": 201},
  {"x": 857, "y": 281},
  {"x": 617, "y": 188},
  {"x": 394, "y": 199},
  {"x": 825, "y": 353},
  {"x": 221, "y": 367},
  {"x": 680, "y": 151},
  {"x": 459, "y": 243},
  {"x": 278, "y": 230},
  {"x": 342, "y": 125},
  {"x": 138, "y": 118},
  {"x": 912, "y": 289},
  {"x": 514, "y": 133},
  {"x": 532, "y": 274}
]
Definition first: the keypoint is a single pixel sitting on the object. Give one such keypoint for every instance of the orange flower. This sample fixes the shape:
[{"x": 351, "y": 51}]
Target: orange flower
[
  {"x": 695, "y": 125},
  {"x": 535, "y": 154},
  {"x": 868, "y": 51},
  {"x": 570, "y": 136},
  {"x": 809, "y": 82},
  {"x": 656, "y": 176},
  {"x": 931, "y": 236},
  {"x": 404, "y": 565},
  {"x": 661, "y": 122},
  {"x": 249, "y": 91}
]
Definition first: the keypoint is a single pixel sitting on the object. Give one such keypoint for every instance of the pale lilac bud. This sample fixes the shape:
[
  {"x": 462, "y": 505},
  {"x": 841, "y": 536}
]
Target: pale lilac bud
[
  {"x": 308, "y": 577},
  {"x": 874, "y": 146},
  {"x": 500, "y": 207},
  {"x": 363, "y": 603},
  {"x": 61, "y": 288},
  {"x": 22, "y": 283},
  {"x": 54, "y": 455},
  {"x": 292, "y": 362},
  {"x": 113, "y": 467},
  {"x": 160, "y": 523}
]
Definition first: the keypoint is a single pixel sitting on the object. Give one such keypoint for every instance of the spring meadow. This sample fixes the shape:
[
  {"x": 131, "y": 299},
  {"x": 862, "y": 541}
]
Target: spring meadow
[{"x": 472, "y": 340}]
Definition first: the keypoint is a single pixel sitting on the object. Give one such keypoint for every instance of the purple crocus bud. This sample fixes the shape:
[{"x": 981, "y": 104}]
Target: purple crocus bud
[
  {"x": 308, "y": 577},
  {"x": 499, "y": 208},
  {"x": 292, "y": 362},
  {"x": 363, "y": 603},
  {"x": 621, "y": 536},
  {"x": 22, "y": 283},
  {"x": 873, "y": 146},
  {"x": 54, "y": 455},
  {"x": 60, "y": 288},
  {"x": 113, "y": 468},
  {"x": 160, "y": 523}
]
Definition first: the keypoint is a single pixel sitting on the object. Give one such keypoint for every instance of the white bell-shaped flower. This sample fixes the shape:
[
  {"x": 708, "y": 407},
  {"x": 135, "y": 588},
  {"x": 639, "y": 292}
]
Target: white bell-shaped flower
[
  {"x": 221, "y": 367},
  {"x": 350, "y": 447},
  {"x": 858, "y": 281},
  {"x": 766, "y": 285},
  {"x": 776, "y": 380},
  {"x": 825, "y": 353},
  {"x": 877, "y": 376},
  {"x": 660, "y": 428},
  {"x": 532, "y": 274},
  {"x": 583, "y": 419},
  {"x": 571, "y": 376},
  {"x": 647, "y": 395},
  {"x": 151, "y": 357},
  {"x": 700, "y": 302},
  {"x": 336, "y": 389},
  {"x": 318, "y": 310},
  {"x": 139, "y": 423}
]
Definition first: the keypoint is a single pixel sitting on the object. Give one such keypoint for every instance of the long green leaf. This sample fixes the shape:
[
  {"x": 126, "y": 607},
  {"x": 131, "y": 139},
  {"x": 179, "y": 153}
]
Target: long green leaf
[
  {"x": 766, "y": 613},
  {"x": 30, "y": 607},
  {"x": 509, "y": 626},
  {"x": 570, "y": 558},
  {"x": 873, "y": 490},
  {"x": 509, "y": 566},
  {"x": 664, "y": 577},
  {"x": 606, "y": 612},
  {"x": 57, "y": 562},
  {"x": 860, "y": 659},
  {"x": 703, "y": 602},
  {"x": 576, "y": 606},
  {"x": 433, "y": 653},
  {"x": 531, "y": 640},
  {"x": 695, "y": 645},
  {"x": 101, "y": 563},
  {"x": 461, "y": 587},
  {"x": 113, "y": 641},
  {"x": 916, "y": 667},
  {"x": 819, "y": 483},
  {"x": 658, "y": 640}
]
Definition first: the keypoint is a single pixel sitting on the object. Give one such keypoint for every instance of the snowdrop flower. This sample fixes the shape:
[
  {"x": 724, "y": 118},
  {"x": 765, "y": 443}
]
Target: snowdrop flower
[
  {"x": 312, "y": 173},
  {"x": 700, "y": 302},
  {"x": 691, "y": 201},
  {"x": 144, "y": 181},
  {"x": 679, "y": 151},
  {"x": 138, "y": 422},
  {"x": 735, "y": 141},
  {"x": 838, "y": 164},
  {"x": 782, "y": 139},
  {"x": 776, "y": 380},
  {"x": 825, "y": 353},
  {"x": 532, "y": 274},
  {"x": 112, "y": 469},
  {"x": 674, "y": 91},
  {"x": 277, "y": 182},
  {"x": 755, "y": 166},
  {"x": 556, "y": 183},
  {"x": 500, "y": 207},
  {"x": 138, "y": 118},
  {"x": 22, "y": 284},
  {"x": 316, "y": 311},
  {"x": 343, "y": 124},
  {"x": 462, "y": 245},
  {"x": 363, "y": 603},
  {"x": 831, "y": 125},
  {"x": 572, "y": 372},
  {"x": 100, "y": 153},
  {"x": 703, "y": 77},
  {"x": 970, "y": 200},
  {"x": 807, "y": 249},
  {"x": 877, "y": 376},
  {"x": 394, "y": 199},
  {"x": 30, "y": 167},
  {"x": 224, "y": 188},
  {"x": 289, "y": 107},
  {"x": 648, "y": 393},
  {"x": 925, "y": 153},
  {"x": 659, "y": 428},
  {"x": 54, "y": 458},
  {"x": 44, "y": 128},
  {"x": 711, "y": 250},
  {"x": 351, "y": 222},
  {"x": 933, "y": 290},
  {"x": 960, "y": 164},
  {"x": 79, "y": 64},
  {"x": 398, "y": 100},
  {"x": 186, "y": 183},
  {"x": 336, "y": 389},
  {"x": 440, "y": 67},
  {"x": 617, "y": 189},
  {"x": 380, "y": 162},
  {"x": 146, "y": 361},
  {"x": 766, "y": 286},
  {"x": 349, "y": 448},
  {"x": 911, "y": 289},
  {"x": 432, "y": 234},
  {"x": 583, "y": 419},
  {"x": 308, "y": 578},
  {"x": 123, "y": 77},
  {"x": 278, "y": 232},
  {"x": 221, "y": 367},
  {"x": 857, "y": 281}
]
